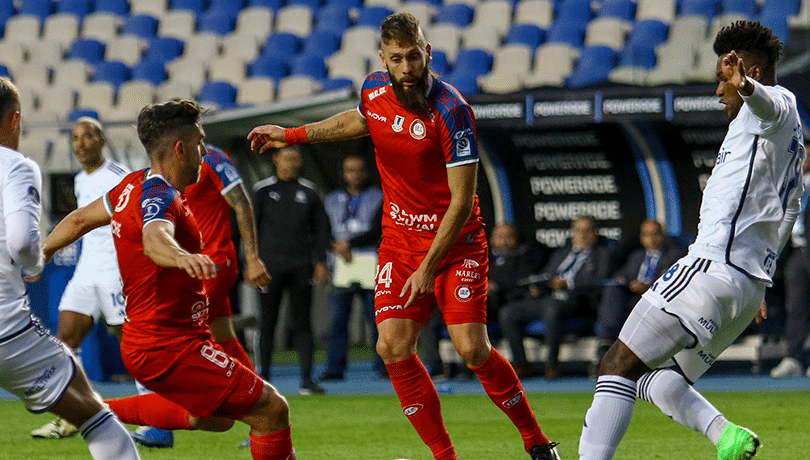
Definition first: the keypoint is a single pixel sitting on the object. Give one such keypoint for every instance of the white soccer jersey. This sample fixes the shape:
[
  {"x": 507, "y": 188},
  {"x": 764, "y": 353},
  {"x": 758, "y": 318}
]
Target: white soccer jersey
[
  {"x": 752, "y": 197},
  {"x": 20, "y": 185},
  {"x": 97, "y": 262}
]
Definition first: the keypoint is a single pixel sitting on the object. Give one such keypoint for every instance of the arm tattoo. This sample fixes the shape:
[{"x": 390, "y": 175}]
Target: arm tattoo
[{"x": 239, "y": 200}]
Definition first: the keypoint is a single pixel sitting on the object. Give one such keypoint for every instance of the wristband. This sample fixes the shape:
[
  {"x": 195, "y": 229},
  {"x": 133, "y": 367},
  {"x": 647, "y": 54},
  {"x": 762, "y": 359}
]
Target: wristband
[{"x": 294, "y": 136}]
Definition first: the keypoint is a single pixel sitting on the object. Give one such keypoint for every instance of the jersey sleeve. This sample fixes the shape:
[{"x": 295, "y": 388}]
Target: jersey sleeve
[
  {"x": 21, "y": 189},
  {"x": 225, "y": 174},
  {"x": 458, "y": 138},
  {"x": 769, "y": 106},
  {"x": 371, "y": 88},
  {"x": 159, "y": 202}
]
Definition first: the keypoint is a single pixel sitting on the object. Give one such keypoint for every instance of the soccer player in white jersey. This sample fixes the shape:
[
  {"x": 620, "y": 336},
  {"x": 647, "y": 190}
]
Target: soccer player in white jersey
[
  {"x": 95, "y": 288},
  {"x": 704, "y": 302},
  {"x": 34, "y": 366}
]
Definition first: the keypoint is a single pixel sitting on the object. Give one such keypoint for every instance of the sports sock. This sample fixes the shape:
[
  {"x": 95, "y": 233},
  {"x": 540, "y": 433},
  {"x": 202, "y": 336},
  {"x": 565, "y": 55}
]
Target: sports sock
[
  {"x": 151, "y": 410},
  {"x": 607, "y": 419},
  {"x": 235, "y": 349},
  {"x": 273, "y": 446},
  {"x": 420, "y": 403},
  {"x": 715, "y": 429},
  {"x": 677, "y": 399},
  {"x": 504, "y": 389},
  {"x": 107, "y": 438}
]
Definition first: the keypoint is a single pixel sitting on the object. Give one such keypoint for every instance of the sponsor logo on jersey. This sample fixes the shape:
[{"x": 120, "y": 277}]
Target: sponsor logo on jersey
[
  {"x": 463, "y": 147},
  {"x": 116, "y": 227},
  {"x": 469, "y": 263},
  {"x": 41, "y": 382},
  {"x": 417, "y": 222},
  {"x": 377, "y": 92},
  {"x": 151, "y": 207},
  {"x": 462, "y": 133},
  {"x": 123, "y": 198},
  {"x": 376, "y": 116},
  {"x": 379, "y": 293},
  {"x": 417, "y": 129},
  {"x": 463, "y": 293},
  {"x": 386, "y": 308},
  {"x": 412, "y": 409},
  {"x": 34, "y": 194},
  {"x": 513, "y": 400},
  {"x": 229, "y": 171},
  {"x": 399, "y": 120},
  {"x": 468, "y": 275},
  {"x": 199, "y": 312}
]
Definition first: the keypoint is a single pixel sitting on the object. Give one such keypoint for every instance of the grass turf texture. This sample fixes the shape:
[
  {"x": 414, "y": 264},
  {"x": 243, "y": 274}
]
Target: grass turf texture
[{"x": 373, "y": 428}]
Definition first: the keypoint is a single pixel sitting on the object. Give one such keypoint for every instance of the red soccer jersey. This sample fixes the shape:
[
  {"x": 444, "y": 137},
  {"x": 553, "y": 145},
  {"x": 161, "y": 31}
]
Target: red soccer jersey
[
  {"x": 162, "y": 303},
  {"x": 211, "y": 212},
  {"x": 413, "y": 154}
]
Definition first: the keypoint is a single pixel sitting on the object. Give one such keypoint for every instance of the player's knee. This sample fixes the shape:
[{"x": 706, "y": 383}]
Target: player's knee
[
  {"x": 215, "y": 424},
  {"x": 474, "y": 353},
  {"x": 273, "y": 408},
  {"x": 392, "y": 351},
  {"x": 620, "y": 360}
]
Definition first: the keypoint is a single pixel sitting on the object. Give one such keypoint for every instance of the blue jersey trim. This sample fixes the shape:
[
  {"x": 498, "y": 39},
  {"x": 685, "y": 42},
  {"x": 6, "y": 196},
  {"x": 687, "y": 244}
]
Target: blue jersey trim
[{"x": 156, "y": 198}]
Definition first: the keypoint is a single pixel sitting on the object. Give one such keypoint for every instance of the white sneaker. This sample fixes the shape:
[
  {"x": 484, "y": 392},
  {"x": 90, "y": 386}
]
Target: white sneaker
[
  {"x": 787, "y": 368},
  {"x": 55, "y": 429}
]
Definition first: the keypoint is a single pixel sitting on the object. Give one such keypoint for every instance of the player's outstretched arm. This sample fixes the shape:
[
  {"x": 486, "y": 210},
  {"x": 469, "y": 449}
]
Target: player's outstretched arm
[
  {"x": 74, "y": 226},
  {"x": 160, "y": 246},
  {"x": 343, "y": 126},
  {"x": 255, "y": 271},
  {"x": 762, "y": 105}
]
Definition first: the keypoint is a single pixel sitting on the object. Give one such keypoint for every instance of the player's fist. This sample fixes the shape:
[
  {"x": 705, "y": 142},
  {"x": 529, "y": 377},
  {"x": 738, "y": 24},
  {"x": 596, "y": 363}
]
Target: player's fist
[{"x": 266, "y": 137}]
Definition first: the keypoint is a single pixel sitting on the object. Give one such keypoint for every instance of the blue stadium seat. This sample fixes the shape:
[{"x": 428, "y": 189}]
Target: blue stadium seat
[
  {"x": 332, "y": 84},
  {"x": 74, "y": 115},
  {"x": 195, "y": 6},
  {"x": 649, "y": 32},
  {"x": 117, "y": 7},
  {"x": 438, "y": 62},
  {"x": 574, "y": 13},
  {"x": 373, "y": 16},
  {"x": 705, "y": 8},
  {"x": 594, "y": 66},
  {"x": 530, "y": 35},
  {"x": 621, "y": 9},
  {"x": 313, "y": 4},
  {"x": 321, "y": 43},
  {"x": 470, "y": 62},
  {"x": 140, "y": 25},
  {"x": 465, "y": 84},
  {"x": 4, "y": 71},
  {"x": 151, "y": 71},
  {"x": 231, "y": 7},
  {"x": 309, "y": 65},
  {"x": 345, "y": 3},
  {"x": 221, "y": 93},
  {"x": 164, "y": 49},
  {"x": 268, "y": 66},
  {"x": 41, "y": 8},
  {"x": 785, "y": 8},
  {"x": 777, "y": 22},
  {"x": 6, "y": 10},
  {"x": 112, "y": 72},
  {"x": 334, "y": 18},
  {"x": 282, "y": 44},
  {"x": 87, "y": 49},
  {"x": 638, "y": 55},
  {"x": 80, "y": 8},
  {"x": 272, "y": 4},
  {"x": 746, "y": 7},
  {"x": 561, "y": 33},
  {"x": 217, "y": 22},
  {"x": 457, "y": 14}
]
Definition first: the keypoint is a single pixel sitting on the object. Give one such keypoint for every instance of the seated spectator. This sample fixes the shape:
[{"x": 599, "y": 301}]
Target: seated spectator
[
  {"x": 573, "y": 271},
  {"x": 644, "y": 265}
]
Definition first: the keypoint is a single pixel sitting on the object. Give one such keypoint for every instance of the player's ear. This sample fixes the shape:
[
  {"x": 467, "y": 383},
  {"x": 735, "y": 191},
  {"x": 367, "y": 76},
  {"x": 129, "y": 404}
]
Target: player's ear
[
  {"x": 755, "y": 72},
  {"x": 177, "y": 149},
  {"x": 382, "y": 58}
]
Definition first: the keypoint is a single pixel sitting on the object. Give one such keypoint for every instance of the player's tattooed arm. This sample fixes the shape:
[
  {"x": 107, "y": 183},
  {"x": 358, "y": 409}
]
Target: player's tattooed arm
[
  {"x": 239, "y": 200},
  {"x": 345, "y": 125}
]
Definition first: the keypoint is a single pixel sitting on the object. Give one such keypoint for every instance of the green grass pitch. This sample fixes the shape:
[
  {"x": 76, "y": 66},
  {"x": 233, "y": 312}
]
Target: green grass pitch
[{"x": 373, "y": 428}]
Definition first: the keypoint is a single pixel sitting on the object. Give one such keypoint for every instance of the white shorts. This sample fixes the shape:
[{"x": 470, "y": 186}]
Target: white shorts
[
  {"x": 94, "y": 300},
  {"x": 36, "y": 367},
  {"x": 694, "y": 311}
]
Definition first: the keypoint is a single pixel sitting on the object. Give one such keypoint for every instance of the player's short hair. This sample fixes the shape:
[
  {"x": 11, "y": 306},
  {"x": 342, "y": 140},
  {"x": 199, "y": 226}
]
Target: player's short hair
[
  {"x": 9, "y": 97},
  {"x": 749, "y": 36},
  {"x": 95, "y": 124},
  {"x": 402, "y": 28},
  {"x": 156, "y": 121}
]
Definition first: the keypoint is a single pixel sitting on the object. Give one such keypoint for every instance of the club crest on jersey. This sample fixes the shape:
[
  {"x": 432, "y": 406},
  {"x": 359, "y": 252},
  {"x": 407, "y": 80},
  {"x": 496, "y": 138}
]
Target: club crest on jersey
[
  {"x": 417, "y": 129},
  {"x": 463, "y": 293},
  {"x": 399, "y": 120},
  {"x": 151, "y": 207}
]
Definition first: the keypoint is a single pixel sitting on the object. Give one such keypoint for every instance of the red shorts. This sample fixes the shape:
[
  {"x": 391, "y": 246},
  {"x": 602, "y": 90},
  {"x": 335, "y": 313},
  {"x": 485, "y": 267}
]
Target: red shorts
[
  {"x": 198, "y": 375},
  {"x": 460, "y": 287},
  {"x": 218, "y": 291}
]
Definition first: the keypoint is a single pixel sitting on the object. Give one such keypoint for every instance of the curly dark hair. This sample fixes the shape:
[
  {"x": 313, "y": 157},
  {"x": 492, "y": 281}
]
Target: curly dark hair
[
  {"x": 749, "y": 36},
  {"x": 158, "y": 120},
  {"x": 402, "y": 28}
]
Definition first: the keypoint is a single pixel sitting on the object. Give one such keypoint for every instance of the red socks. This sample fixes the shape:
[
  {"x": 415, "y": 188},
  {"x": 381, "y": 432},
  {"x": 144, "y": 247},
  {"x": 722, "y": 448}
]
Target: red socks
[
  {"x": 273, "y": 446},
  {"x": 235, "y": 349},
  {"x": 420, "y": 402},
  {"x": 150, "y": 410},
  {"x": 503, "y": 386}
]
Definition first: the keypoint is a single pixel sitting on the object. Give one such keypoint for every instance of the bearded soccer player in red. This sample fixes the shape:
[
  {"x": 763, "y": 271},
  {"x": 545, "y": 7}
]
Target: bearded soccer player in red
[
  {"x": 166, "y": 343},
  {"x": 434, "y": 246}
]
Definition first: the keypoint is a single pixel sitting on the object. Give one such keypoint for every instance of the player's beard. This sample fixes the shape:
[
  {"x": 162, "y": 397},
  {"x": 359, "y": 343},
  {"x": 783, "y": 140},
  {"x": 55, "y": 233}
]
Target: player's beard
[{"x": 414, "y": 98}]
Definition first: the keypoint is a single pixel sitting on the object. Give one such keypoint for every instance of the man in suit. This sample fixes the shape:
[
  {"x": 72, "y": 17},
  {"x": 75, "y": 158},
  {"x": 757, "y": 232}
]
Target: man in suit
[
  {"x": 572, "y": 273},
  {"x": 644, "y": 265}
]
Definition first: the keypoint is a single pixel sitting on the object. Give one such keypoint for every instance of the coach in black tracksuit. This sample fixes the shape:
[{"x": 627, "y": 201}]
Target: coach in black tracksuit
[{"x": 293, "y": 233}]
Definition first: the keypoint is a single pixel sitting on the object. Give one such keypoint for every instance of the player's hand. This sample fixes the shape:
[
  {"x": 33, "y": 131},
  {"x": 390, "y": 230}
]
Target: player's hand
[
  {"x": 638, "y": 287},
  {"x": 420, "y": 283},
  {"x": 266, "y": 137},
  {"x": 320, "y": 275},
  {"x": 732, "y": 66},
  {"x": 558, "y": 283},
  {"x": 198, "y": 266},
  {"x": 343, "y": 249},
  {"x": 256, "y": 273},
  {"x": 762, "y": 314}
]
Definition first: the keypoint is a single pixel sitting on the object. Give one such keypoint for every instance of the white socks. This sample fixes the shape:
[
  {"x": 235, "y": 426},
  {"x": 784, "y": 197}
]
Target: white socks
[
  {"x": 677, "y": 399},
  {"x": 607, "y": 419},
  {"x": 107, "y": 438}
]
